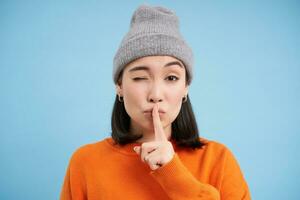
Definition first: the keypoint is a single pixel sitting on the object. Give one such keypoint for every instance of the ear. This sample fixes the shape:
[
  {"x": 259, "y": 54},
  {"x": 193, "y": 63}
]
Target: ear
[
  {"x": 119, "y": 90},
  {"x": 186, "y": 90}
]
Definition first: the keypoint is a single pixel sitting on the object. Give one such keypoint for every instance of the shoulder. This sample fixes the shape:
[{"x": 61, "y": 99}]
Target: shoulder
[
  {"x": 213, "y": 145},
  {"x": 88, "y": 151},
  {"x": 220, "y": 151},
  {"x": 216, "y": 149}
]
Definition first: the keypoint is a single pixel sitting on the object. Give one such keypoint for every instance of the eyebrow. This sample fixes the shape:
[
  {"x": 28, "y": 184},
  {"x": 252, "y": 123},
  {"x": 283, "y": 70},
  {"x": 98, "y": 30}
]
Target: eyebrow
[{"x": 143, "y": 67}]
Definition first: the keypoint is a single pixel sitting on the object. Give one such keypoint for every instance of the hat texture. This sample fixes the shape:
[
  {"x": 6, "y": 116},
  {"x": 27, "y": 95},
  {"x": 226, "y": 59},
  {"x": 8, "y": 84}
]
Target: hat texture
[{"x": 153, "y": 31}]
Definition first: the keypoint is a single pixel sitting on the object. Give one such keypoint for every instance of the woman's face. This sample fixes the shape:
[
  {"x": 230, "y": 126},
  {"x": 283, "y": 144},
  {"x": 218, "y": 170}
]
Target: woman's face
[{"x": 150, "y": 80}]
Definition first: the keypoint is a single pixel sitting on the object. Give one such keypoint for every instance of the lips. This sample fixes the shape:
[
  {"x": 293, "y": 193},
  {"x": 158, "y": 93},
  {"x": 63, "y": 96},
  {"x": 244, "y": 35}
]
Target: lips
[
  {"x": 149, "y": 114},
  {"x": 150, "y": 111}
]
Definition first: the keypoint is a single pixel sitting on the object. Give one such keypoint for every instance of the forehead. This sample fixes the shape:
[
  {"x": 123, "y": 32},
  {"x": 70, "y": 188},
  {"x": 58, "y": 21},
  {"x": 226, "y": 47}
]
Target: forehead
[{"x": 154, "y": 63}]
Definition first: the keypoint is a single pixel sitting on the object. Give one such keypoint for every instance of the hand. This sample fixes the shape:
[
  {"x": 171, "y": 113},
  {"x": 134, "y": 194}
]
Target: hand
[{"x": 160, "y": 151}]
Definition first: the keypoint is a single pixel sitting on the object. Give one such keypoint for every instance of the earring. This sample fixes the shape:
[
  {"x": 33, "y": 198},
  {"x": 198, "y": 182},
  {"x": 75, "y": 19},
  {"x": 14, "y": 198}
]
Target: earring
[
  {"x": 184, "y": 99},
  {"x": 121, "y": 99}
]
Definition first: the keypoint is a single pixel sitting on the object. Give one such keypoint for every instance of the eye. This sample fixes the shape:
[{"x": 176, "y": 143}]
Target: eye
[
  {"x": 172, "y": 78},
  {"x": 138, "y": 78}
]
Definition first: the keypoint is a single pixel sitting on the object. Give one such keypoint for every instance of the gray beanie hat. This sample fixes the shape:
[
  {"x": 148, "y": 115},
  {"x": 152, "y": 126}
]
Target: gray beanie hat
[{"x": 153, "y": 31}]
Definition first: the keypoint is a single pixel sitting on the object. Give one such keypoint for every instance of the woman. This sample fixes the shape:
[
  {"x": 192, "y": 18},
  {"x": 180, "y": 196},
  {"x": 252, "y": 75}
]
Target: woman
[{"x": 155, "y": 151}]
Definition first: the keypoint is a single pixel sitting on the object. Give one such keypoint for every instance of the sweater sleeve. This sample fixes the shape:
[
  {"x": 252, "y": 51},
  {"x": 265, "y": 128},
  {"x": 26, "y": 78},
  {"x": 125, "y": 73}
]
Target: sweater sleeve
[
  {"x": 234, "y": 186},
  {"x": 180, "y": 184},
  {"x": 74, "y": 183}
]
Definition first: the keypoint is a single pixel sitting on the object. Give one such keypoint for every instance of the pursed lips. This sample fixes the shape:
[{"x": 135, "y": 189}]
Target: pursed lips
[{"x": 149, "y": 112}]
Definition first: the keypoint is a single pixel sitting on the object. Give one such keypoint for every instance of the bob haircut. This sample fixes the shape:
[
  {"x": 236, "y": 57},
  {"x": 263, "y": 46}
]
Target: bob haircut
[{"x": 184, "y": 127}]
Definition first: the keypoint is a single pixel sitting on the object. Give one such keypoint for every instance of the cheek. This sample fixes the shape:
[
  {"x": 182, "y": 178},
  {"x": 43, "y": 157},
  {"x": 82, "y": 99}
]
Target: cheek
[
  {"x": 133, "y": 93},
  {"x": 175, "y": 103},
  {"x": 175, "y": 97},
  {"x": 133, "y": 97}
]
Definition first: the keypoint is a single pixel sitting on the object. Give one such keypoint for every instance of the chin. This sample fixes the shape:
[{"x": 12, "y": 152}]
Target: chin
[{"x": 142, "y": 124}]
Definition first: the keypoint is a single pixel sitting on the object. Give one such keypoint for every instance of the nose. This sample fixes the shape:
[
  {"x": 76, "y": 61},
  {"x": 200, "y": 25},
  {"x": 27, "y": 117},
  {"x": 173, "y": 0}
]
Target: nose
[{"x": 155, "y": 93}]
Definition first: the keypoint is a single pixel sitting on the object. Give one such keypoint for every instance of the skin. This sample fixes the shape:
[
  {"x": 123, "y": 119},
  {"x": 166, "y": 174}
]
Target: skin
[{"x": 159, "y": 87}]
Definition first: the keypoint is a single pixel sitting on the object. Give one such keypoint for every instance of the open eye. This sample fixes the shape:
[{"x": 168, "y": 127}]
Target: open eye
[{"x": 172, "y": 78}]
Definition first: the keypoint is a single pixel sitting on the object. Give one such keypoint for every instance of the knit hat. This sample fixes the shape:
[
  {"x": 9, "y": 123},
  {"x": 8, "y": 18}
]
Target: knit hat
[{"x": 153, "y": 31}]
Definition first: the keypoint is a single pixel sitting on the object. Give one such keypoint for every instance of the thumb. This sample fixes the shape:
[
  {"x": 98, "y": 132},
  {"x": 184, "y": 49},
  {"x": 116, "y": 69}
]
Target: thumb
[{"x": 137, "y": 149}]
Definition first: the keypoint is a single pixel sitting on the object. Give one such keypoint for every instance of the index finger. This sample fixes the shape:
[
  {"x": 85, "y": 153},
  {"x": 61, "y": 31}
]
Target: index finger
[{"x": 158, "y": 128}]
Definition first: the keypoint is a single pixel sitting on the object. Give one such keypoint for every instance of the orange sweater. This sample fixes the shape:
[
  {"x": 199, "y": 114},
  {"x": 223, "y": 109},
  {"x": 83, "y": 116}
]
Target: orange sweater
[{"x": 106, "y": 171}]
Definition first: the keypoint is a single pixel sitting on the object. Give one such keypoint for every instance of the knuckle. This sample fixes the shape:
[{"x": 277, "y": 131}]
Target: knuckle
[
  {"x": 153, "y": 167},
  {"x": 150, "y": 160},
  {"x": 146, "y": 158}
]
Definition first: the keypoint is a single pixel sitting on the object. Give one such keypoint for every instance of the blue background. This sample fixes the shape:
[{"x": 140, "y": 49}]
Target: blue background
[{"x": 57, "y": 91}]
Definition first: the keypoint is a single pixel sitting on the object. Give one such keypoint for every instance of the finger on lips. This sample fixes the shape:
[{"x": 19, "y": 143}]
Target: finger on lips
[
  {"x": 158, "y": 128},
  {"x": 147, "y": 150}
]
